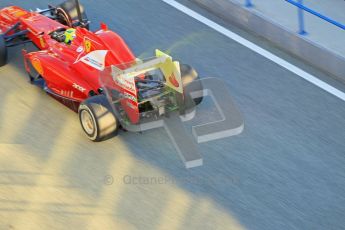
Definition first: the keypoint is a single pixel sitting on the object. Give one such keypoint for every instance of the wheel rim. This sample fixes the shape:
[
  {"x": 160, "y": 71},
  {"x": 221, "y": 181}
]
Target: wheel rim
[
  {"x": 63, "y": 17},
  {"x": 87, "y": 122}
]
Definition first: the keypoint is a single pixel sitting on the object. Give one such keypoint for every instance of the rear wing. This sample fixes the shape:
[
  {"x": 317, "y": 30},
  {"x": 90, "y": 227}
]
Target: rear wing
[
  {"x": 124, "y": 85},
  {"x": 162, "y": 61}
]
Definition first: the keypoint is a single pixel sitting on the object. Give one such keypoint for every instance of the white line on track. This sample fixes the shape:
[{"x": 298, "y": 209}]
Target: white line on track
[{"x": 294, "y": 69}]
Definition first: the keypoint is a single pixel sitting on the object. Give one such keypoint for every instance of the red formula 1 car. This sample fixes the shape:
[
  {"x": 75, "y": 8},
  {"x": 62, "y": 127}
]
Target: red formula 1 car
[{"x": 71, "y": 60}]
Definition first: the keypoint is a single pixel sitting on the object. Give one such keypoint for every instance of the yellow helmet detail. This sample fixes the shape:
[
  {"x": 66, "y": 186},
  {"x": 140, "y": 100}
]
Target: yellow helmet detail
[{"x": 69, "y": 35}]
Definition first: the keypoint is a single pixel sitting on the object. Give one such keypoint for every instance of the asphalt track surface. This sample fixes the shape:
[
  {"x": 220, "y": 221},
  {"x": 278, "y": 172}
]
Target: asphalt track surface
[{"x": 285, "y": 171}]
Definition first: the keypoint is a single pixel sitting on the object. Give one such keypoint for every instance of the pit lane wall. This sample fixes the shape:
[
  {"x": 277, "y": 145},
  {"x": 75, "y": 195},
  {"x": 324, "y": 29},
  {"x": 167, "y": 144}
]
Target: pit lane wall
[{"x": 300, "y": 46}]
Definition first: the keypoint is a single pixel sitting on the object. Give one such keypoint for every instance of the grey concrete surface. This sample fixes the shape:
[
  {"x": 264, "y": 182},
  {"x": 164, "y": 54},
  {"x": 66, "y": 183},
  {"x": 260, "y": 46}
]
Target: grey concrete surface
[
  {"x": 285, "y": 171},
  {"x": 320, "y": 54},
  {"x": 319, "y": 31}
]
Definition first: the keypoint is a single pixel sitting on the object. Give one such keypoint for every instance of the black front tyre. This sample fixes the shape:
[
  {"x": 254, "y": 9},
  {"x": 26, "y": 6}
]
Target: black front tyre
[
  {"x": 67, "y": 13},
  {"x": 97, "y": 119},
  {"x": 3, "y": 51}
]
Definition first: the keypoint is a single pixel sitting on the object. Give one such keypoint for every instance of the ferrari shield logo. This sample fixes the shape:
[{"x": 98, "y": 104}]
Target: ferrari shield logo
[
  {"x": 87, "y": 46},
  {"x": 19, "y": 13}
]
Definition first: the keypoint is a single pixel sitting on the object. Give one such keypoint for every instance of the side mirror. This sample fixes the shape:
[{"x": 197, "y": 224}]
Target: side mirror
[{"x": 104, "y": 26}]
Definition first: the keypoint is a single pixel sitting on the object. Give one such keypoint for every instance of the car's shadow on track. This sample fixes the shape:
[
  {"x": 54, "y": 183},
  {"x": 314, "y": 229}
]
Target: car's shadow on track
[{"x": 32, "y": 119}]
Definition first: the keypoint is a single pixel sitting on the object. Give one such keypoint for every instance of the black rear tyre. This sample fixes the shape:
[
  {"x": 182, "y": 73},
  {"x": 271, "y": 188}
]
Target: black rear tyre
[
  {"x": 191, "y": 83},
  {"x": 3, "y": 51},
  {"x": 97, "y": 119},
  {"x": 67, "y": 13}
]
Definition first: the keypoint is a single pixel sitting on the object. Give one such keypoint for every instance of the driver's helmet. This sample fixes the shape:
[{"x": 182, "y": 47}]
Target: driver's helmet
[{"x": 69, "y": 35}]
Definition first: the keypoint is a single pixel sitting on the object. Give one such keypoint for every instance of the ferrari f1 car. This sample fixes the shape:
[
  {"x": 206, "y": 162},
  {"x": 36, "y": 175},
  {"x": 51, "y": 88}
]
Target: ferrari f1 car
[{"x": 95, "y": 73}]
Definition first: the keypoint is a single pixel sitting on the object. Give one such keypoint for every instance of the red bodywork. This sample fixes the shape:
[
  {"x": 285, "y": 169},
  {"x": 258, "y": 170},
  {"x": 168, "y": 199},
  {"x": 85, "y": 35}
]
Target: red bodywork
[{"x": 66, "y": 77}]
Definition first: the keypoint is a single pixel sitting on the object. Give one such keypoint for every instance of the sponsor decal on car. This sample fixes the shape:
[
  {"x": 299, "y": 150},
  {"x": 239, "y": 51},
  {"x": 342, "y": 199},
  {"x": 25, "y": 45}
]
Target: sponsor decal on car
[
  {"x": 126, "y": 83},
  {"x": 93, "y": 62},
  {"x": 130, "y": 97},
  {"x": 173, "y": 80},
  {"x": 95, "y": 59},
  {"x": 130, "y": 105},
  {"x": 80, "y": 49},
  {"x": 78, "y": 87}
]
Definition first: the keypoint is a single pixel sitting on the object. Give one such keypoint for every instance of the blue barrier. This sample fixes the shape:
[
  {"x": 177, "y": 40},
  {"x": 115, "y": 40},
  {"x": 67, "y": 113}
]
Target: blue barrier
[
  {"x": 301, "y": 19},
  {"x": 301, "y": 9},
  {"x": 249, "y": 3}
]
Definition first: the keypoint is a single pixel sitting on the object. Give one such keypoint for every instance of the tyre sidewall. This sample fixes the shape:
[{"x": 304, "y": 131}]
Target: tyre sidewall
[
  {"x": 62, "y": 13},
  {"x": 99, "y": 102},
  {"x": 3, "y": 51},
  {"x": 70, "y": 9},
  {"x": 85, "y": 107},
  {"x": 191, "y": 82}
]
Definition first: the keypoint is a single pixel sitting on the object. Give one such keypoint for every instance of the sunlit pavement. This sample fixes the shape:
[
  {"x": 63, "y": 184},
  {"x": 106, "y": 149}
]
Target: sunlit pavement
[{"x": 51, "y": 177}]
